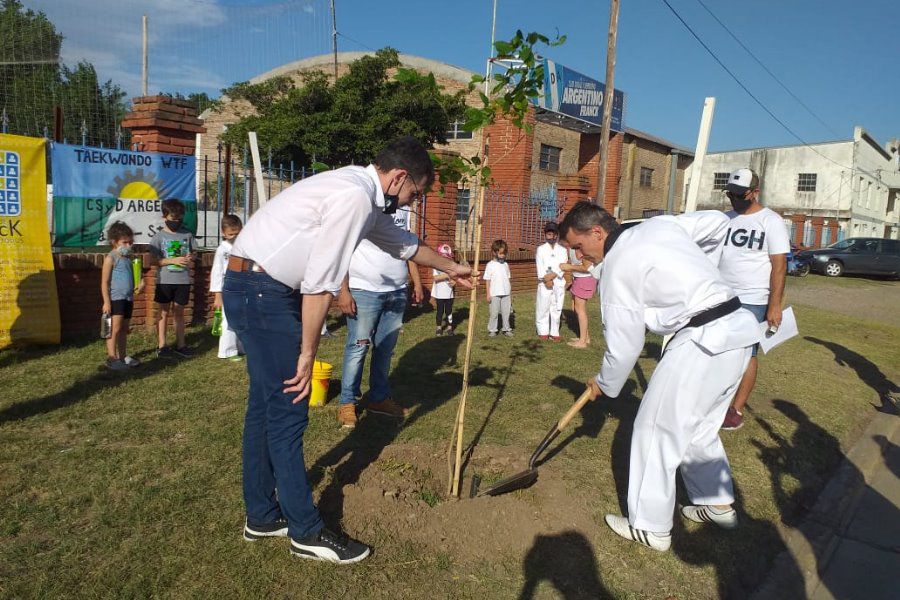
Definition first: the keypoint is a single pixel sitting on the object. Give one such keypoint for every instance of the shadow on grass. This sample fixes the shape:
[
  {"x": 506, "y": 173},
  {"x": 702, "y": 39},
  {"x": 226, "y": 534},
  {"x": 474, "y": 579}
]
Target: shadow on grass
[
  {"x": 20, "y": 354},
  {"x": 810, "y": 457},
  {"x": 528, "y": 351},
  {"x": 867, "y": 371},
  {"x": 567, "y": 561},
  {"x": 416, "y": 377},
  {"x": 199, "y": 341},
  {"x": 741, "y": 558}
]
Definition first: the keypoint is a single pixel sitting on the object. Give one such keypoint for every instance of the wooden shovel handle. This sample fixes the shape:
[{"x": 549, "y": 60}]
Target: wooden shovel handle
[{"x": 576, "y": 408}]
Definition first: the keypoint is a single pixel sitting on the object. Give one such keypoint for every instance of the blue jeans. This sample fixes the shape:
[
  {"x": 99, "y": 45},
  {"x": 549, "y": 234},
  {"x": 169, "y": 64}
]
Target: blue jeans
[
  {"x": 379, "y": 316},
  {"x": 265, "y": 314},
  {"x": 759, "y": 311}
]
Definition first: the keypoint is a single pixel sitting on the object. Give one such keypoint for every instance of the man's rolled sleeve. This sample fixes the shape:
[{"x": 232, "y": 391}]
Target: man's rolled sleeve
[
  {"x": 398, "y": 242},
  {"x": 624, "y": 334},
  {"x": 343, "y": 226}
]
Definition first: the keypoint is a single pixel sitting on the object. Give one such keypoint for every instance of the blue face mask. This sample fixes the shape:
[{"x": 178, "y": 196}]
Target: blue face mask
[
  {"x": 125, "y": 251},
  {"x": 501, "y": 260}
]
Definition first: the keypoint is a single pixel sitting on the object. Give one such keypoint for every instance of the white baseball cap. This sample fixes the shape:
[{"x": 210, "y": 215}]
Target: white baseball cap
[{"x": 742, "y": 180}]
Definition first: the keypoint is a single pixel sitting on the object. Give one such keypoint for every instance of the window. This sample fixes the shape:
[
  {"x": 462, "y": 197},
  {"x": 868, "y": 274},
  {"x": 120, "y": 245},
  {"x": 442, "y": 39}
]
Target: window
[
  {"x": 456, "y": 132},
  {"x": 646, "y": 177},
  {"x": 549, "y": 160},
  {"x": 806, "y": 182},
  {"x": 720, "y": 180},
  {"x": 463, "y": 196}
]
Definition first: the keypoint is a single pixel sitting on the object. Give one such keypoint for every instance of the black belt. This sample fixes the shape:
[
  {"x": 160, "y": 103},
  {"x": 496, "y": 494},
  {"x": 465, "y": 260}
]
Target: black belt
[{"x": 716, "y": 312}]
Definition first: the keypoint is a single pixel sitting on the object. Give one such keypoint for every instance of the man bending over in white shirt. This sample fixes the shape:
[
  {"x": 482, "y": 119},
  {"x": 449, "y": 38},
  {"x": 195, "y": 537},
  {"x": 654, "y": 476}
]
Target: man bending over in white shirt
[
  {"x": 291, "y": 258},
  {"x": 658, "y": 276}
]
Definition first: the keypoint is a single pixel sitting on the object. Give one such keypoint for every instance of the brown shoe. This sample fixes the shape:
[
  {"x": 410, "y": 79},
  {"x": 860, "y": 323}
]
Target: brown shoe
[
  {"x": 386, "y": 407},
  {"x": 347, "y": 416}
]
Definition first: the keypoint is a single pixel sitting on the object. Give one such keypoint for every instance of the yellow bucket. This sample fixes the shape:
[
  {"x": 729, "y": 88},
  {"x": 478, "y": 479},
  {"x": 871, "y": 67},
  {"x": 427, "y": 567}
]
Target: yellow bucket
[{"x": 321, "y": 375}]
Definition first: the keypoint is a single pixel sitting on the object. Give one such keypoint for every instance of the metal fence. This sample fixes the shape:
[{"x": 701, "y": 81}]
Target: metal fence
[
  {"x": 515, "y": 217},
  {"x": 226, "y": 185}
]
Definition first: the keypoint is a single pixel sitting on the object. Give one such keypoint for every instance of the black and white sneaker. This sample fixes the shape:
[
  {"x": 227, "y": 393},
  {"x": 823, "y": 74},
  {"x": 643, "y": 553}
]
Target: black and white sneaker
[
  {"x": 707, "y": 514},
  {"x": 164, "y": 352},
  {"x": 657, "y": 541},
  {"x": 331, "y": 547},
  {"x": 183, "y": 352},
  {"x": 277, "y": 528}
]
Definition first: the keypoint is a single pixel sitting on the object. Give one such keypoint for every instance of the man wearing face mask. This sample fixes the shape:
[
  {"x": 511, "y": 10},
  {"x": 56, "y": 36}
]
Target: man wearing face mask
[
  {"x": 551, "y": 289},
  {"x": 753, "y": 263},
  {"x": 285, "y": 268}
]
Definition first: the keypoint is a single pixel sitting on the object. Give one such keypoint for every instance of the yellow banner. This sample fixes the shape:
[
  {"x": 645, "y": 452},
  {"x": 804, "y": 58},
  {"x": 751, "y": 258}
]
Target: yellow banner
[{"x": 29, "y": 309}]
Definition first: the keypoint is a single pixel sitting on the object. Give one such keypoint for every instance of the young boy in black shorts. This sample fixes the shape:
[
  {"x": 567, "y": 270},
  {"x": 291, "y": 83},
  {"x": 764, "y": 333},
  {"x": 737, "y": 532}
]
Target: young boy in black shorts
[{"x": 172, "y": 246}]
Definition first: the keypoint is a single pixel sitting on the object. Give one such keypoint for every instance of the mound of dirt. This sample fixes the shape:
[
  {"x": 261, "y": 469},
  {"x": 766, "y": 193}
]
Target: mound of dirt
[{"x": 405, "y": 491}]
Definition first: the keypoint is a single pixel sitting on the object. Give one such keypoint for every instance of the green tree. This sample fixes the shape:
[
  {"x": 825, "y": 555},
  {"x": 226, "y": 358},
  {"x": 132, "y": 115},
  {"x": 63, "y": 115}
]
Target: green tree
[
  {"x": 349, "y": 120},
  {"x": 33, "y": 82}
]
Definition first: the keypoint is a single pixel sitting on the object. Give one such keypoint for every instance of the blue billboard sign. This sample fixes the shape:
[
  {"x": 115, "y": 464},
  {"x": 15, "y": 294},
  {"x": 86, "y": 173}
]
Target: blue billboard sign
[{"x": 570, "y": 93}]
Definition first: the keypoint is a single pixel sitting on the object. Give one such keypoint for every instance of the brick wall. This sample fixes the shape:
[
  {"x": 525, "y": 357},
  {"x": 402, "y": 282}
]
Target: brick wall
[{"x": 80, "y": 301}]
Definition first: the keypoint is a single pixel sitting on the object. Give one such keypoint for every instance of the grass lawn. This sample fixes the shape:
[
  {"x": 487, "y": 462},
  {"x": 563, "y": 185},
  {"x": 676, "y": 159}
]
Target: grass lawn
[{"x": 128, "y": 485}]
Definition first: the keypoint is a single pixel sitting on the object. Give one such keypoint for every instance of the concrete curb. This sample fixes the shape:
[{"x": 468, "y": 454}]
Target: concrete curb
[{"x": 811, "y": 546}]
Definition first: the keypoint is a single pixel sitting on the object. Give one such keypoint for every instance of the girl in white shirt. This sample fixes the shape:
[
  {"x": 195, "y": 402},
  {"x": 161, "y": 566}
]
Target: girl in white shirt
[{"x": 442, "y": 292}]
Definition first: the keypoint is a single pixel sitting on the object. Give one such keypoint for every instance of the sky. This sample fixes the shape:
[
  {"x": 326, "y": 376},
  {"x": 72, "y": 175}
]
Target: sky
[{"x": 838, "y": 58}]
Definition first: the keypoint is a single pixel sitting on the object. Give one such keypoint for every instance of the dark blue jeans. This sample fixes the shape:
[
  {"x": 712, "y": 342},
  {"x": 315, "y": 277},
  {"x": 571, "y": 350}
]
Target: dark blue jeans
[{"x": 265, "y": 314}]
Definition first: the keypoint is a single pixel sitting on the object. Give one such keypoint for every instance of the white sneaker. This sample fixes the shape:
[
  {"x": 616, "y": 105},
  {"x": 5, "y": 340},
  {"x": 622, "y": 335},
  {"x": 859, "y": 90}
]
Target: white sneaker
[
  {"x": 131, "y": 361},
  {"x": 705, "y": 514},
  {"x": 657, "y": 541}
]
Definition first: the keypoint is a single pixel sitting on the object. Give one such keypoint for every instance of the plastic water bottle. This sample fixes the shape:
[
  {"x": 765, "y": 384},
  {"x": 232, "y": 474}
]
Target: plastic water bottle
[
  {"x": 136, "y": 267},
  {"x": 106, "y": 326},
  {"x": 217, "y": 322}
]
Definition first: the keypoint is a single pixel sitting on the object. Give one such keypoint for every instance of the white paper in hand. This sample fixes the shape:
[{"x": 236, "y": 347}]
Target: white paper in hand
[{"x": 786, "y": 331}]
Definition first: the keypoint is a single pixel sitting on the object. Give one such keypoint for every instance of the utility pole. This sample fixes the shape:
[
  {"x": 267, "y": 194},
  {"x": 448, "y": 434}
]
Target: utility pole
[
  {"x": 608, "y": 100},
  {"x": 709, "y": 107},
  {"x": 334, "y": 39},
  {"x": 144, "y": 68}
]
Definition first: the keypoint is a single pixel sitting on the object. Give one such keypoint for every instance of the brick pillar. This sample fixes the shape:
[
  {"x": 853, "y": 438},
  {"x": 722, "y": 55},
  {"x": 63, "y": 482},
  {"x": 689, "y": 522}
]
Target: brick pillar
[
  {"x": 799, "y": 223},
  {"x": 437, "y": 216},
  {"x": 571, "y": 189},
  {"x": 589, "y": 161},
  {"x": 589, "y": 166},
  {"x": 833, "y": 227},
  {"x": 163, "y": 124},
  {"x": 817, "y": 223},
  {"x": 510, "y": 151}
]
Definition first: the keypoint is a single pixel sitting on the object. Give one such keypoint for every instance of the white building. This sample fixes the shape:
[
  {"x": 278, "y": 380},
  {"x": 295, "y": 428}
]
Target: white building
[{"x": 825, "y": 192}]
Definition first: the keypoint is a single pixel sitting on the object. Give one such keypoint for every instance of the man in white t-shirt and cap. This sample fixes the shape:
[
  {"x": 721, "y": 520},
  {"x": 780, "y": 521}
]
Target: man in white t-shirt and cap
[
  {"x": 753, "y": 263},
  {"x": 374, "y": 299},
  {"x": 286, "y": 266}
]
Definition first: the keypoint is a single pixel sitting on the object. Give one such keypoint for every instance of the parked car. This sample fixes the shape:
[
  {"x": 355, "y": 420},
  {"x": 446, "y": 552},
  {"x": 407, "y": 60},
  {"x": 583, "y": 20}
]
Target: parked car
[{"x": 865, "y": 256}]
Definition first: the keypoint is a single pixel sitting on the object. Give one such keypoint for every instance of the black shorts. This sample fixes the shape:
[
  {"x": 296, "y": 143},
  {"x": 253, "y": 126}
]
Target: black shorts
[
  {"x": 122, "y": 307},
  {"x": 179, "y": 293}
]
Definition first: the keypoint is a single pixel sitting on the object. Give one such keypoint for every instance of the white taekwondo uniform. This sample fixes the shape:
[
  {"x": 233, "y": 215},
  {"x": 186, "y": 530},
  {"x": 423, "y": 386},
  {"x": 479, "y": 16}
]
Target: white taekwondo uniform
[
  {"x": 549, "y": 303},
  {"x": 658, "y": 276}
]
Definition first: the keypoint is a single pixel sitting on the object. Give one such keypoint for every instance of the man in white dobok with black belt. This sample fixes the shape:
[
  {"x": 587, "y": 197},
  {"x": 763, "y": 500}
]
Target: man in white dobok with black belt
[{"x": 662, "y": 276}]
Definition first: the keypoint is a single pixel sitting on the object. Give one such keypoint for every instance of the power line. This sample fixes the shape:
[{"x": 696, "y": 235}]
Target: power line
[
  {"x": 358, "y": 43},
  {"x": 747, "y": 90},
  {"x": 767, "y": 70}
]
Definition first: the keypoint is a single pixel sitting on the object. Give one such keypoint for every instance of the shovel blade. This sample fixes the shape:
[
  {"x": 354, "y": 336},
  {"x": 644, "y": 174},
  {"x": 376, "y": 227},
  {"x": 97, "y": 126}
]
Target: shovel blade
[{"x": 516, "y": 482}]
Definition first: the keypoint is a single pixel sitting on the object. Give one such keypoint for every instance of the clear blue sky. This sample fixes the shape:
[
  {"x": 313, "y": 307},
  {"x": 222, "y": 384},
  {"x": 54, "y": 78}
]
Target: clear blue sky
[{"x": 840, "y": 58}]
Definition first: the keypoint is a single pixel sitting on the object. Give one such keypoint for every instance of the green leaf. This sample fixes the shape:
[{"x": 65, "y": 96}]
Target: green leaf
[
  {"x": 320, "y": 166},
  {"x": 504, "y": 48}
]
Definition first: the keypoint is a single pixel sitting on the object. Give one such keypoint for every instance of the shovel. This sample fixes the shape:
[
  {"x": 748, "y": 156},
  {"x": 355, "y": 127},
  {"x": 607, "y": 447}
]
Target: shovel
[{"x": 529, "y": 476}]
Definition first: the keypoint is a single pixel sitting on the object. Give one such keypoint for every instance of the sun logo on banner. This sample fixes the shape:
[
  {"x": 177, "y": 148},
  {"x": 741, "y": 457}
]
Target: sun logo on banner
[{"x": 137, "y": 186}]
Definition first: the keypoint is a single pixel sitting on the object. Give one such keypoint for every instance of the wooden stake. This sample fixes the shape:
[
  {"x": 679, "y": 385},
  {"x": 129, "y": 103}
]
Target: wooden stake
[{"x": 470, "y": 335}]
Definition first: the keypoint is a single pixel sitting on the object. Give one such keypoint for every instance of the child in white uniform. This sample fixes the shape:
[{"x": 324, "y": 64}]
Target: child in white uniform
[
  {"x": 498, "y": 289},
  {"x": 229, "y": 346}
]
